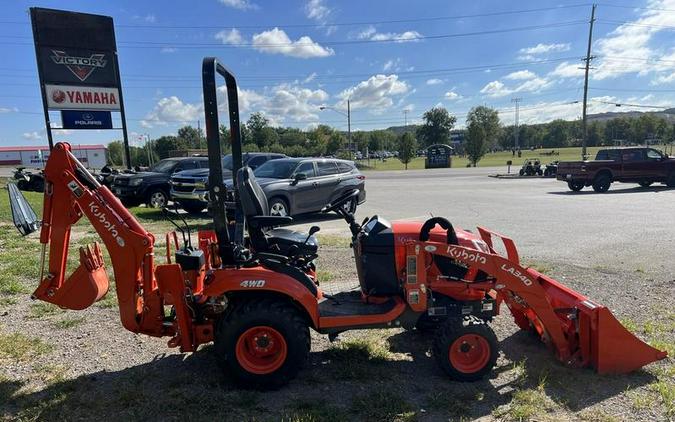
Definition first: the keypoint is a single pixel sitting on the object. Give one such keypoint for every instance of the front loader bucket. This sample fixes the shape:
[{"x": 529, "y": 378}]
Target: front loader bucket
[
  {"x": 618, "y": 350},
  {"x": 88, "y": 283},
  {"x": 580, "y": 332}
]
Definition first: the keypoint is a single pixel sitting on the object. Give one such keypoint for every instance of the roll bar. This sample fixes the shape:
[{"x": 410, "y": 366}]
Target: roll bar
[{"x": 227, "y": 246}]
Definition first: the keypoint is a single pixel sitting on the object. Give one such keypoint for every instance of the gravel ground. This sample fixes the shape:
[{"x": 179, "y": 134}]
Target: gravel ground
[
  {"x": 97, "y": 370},
  {"x": 85, "y": 366}
]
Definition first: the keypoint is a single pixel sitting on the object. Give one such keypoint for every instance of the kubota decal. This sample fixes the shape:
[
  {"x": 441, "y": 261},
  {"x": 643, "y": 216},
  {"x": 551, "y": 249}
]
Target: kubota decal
[
  {"x": 522, "y": 277},
  {"x": 463, "y": 255},
  {"x": 100, "y": 216}
]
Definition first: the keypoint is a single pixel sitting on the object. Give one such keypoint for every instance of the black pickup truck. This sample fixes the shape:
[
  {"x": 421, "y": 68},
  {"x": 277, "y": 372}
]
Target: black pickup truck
[
  {"x": 628, "y": 165},
  {"x": 152, "y": 186}
]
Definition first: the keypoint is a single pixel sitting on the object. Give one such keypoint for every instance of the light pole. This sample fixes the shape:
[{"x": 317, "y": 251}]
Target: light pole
[{"x": 348, "y": 114}]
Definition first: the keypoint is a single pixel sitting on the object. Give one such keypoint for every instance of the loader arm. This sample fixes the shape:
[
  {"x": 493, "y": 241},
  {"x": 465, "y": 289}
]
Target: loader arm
[
  {"x": 71, "y": 192},
  {"x": 580, "y": 331}
]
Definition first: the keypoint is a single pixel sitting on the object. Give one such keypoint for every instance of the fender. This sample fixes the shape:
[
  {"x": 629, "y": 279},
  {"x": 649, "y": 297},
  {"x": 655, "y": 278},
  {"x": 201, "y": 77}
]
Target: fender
[{"x": 261, "y": 279}]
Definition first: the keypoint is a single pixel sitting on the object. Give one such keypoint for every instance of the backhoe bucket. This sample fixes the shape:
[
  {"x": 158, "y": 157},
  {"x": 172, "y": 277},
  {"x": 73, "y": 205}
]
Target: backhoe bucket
[{"x": 87, "y": 284}]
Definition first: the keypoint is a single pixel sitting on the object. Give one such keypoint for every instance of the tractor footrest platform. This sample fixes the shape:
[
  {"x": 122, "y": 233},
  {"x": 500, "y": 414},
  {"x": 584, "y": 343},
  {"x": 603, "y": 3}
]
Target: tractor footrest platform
[{"x": 350, "y": 303}]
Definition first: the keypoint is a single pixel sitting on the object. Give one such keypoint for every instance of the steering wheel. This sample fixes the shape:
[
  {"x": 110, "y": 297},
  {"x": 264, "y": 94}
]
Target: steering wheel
[{"x": 334, "y": 206}]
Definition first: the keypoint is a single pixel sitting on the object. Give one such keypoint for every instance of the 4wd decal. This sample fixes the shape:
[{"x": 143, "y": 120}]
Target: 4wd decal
[
  {"x": 81, "y": 67},
  {"x": 464, "y": 255},
  {"x": 252, "y": 283},
  {"x": 99, "y": 215}
]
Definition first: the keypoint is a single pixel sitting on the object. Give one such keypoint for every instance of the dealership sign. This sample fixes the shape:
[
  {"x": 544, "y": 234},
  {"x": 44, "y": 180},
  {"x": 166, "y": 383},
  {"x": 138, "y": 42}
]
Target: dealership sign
[
  {"x": 67, "y": 97},
  {"x": 87, "y": 119},
  {"x": 77, "y": 66}
]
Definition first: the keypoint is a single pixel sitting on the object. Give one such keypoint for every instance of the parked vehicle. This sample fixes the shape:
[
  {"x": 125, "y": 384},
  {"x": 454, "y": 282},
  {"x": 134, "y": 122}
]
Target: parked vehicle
[
  {"x": 152, "y": 187},
  {"x": 551, "y": 169},
  {"x": 29, "y": 181},
  {"x": 531, "y": 167},
  {"x": 305, "y": 185},
  {"x": 640, "y": 165},
  {"x": 190, "y": 188}
]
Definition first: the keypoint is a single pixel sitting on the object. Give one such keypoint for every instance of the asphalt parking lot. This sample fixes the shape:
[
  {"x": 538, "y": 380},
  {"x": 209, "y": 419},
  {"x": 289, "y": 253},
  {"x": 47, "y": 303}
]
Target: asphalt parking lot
[{"x": 629, "y": 228}]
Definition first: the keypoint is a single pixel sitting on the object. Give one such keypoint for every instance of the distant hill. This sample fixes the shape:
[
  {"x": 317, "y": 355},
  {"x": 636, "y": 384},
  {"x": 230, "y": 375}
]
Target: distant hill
[{"x": 668, "y": 115}]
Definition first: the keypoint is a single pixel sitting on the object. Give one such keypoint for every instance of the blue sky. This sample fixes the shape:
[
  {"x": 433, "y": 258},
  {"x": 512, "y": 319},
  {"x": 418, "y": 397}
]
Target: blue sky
[{"x": 386, "y": 56}]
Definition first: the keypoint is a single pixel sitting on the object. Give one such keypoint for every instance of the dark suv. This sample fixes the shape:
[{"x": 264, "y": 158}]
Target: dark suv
[
  {"x": 152, "y": 186},
  {"x": 304, "y": 185},
  {"x": 190, "y": 188}
]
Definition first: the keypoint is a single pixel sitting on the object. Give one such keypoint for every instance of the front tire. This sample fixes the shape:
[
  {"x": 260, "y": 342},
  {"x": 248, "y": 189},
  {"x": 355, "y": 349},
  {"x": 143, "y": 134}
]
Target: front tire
[
  {"x": 575, "y": 186},
  {"x": 601, "y": 183},
  {"x": 157, "y": 198},
  {"x": 466, "y": 349},
  {"x": 645, "y": 183},
  {"x": 263, "y": 343},
  {"x": 193, "y": 207}
]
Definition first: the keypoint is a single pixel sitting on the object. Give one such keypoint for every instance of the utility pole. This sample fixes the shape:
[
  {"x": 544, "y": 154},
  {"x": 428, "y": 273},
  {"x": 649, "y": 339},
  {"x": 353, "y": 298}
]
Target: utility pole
[
  {"x": 516, "y": 130},
  {"x": 199, "y": 134},
  {"x": 587, "y": 67},
  {"x": 349, "y": 129},
  {"x": 405, "y": 113}
]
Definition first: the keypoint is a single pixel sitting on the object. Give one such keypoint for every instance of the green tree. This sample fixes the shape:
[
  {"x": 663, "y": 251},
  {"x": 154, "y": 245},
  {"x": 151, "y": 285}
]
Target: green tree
[
  {"x": 258, "y": 126},
  {"x": 436, "y": 127},
  {"x": 164, "y": 144},
  {"x": 407, "y": 148},
  {"x": 476, "y": 145},
  {"x": 596, "y": 134},
  {"x": 115, "y": 153},
  {"x": 557, "y": 134},
  {"x": 191, "y": 137},
  {"x": 488, "y": 119}
]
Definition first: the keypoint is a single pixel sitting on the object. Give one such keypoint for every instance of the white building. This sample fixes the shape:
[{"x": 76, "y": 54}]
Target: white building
[{"x": 92, "y": 156}]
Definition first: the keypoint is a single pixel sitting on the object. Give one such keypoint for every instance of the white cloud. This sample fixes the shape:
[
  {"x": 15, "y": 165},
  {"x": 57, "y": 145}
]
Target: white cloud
[
  {"x": 275, "y": 41},
  {"x": 629, "y": 48},
  {"x": 150, "y": 18},
  {"x": 664, "y": 79},
  {"x": 172, "y": 110},
  {"x": 294, "y": 103},
  {"x": 434, "y": 81},
  {"x": 388, "y": 65},
  {"x": 452, "y": 95},
  {"x": 309, "y": 78},
  {"x": 545, "y": 48},
  {"x": 232, "y": 36},
  {"x": 567, "y": 70},
  {"x": 317, "y": 10},
  {"x": 370, "y": 33},
  {"x": 521, "y": 75},
  {"x": 498, "y": 89},
  {"x": 32, "y": 136},
  {"x": 168, "y": 50},
  {"x": 8, "y": 110},
  {"x": 239, "y": 4},
  {"x": 374, "y": 94}
]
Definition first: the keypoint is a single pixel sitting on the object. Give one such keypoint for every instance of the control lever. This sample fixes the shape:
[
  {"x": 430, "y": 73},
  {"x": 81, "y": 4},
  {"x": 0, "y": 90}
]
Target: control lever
[{"x": 312, "y": 231}]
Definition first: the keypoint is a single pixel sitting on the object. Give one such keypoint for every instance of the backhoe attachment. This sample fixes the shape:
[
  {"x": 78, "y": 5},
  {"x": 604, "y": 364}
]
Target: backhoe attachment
[{"x": 580, "y": 331}]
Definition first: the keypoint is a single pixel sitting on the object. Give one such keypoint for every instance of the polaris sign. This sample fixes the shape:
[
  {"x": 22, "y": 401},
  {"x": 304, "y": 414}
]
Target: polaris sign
[{"x": 75, "y": 119}]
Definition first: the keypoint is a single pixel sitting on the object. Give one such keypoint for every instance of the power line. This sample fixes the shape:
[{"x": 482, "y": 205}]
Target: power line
[
  {"x": 619, "y": 104},
  {"x": 354, "y": 23},
  {"x": 634, "y": 7},
  {"x": 626, "y": 23}
]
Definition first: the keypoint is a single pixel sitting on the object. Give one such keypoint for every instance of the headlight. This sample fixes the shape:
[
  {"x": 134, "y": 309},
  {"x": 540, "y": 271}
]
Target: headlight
[{"x": 135, "y": 182}]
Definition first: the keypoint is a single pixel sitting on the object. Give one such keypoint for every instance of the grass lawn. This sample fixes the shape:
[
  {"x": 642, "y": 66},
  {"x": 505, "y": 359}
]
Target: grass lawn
[{"x": 497, "y": 159}]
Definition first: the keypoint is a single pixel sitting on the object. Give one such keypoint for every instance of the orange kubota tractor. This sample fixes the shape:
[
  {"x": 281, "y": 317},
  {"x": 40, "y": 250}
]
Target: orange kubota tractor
[{"x": 252, "y": 289}]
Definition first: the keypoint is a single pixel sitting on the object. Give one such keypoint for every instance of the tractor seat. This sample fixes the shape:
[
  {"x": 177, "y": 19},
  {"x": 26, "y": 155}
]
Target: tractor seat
[{"x": 263, "y": 237}]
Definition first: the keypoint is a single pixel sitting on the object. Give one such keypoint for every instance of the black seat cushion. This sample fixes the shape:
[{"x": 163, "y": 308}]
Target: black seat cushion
[{"x": 285, "y": 238}]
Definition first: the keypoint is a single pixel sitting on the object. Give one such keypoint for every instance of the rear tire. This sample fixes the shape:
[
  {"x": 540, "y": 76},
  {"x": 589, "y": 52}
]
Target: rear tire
[
  {"x": 279, "y": 207},
  {"x": 601, "y": 183},
  {"x": 521, "y": 172},
  {"x": 466, "y": 349},
  {"x": 645, "y": 183},
  {"x": 575, "y": 186},
  {"x": 262, "y": 343}
]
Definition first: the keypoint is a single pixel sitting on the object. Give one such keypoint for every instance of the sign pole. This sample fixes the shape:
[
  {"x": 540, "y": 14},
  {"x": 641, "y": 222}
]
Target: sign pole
[{"x": 43, "y": 92}]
